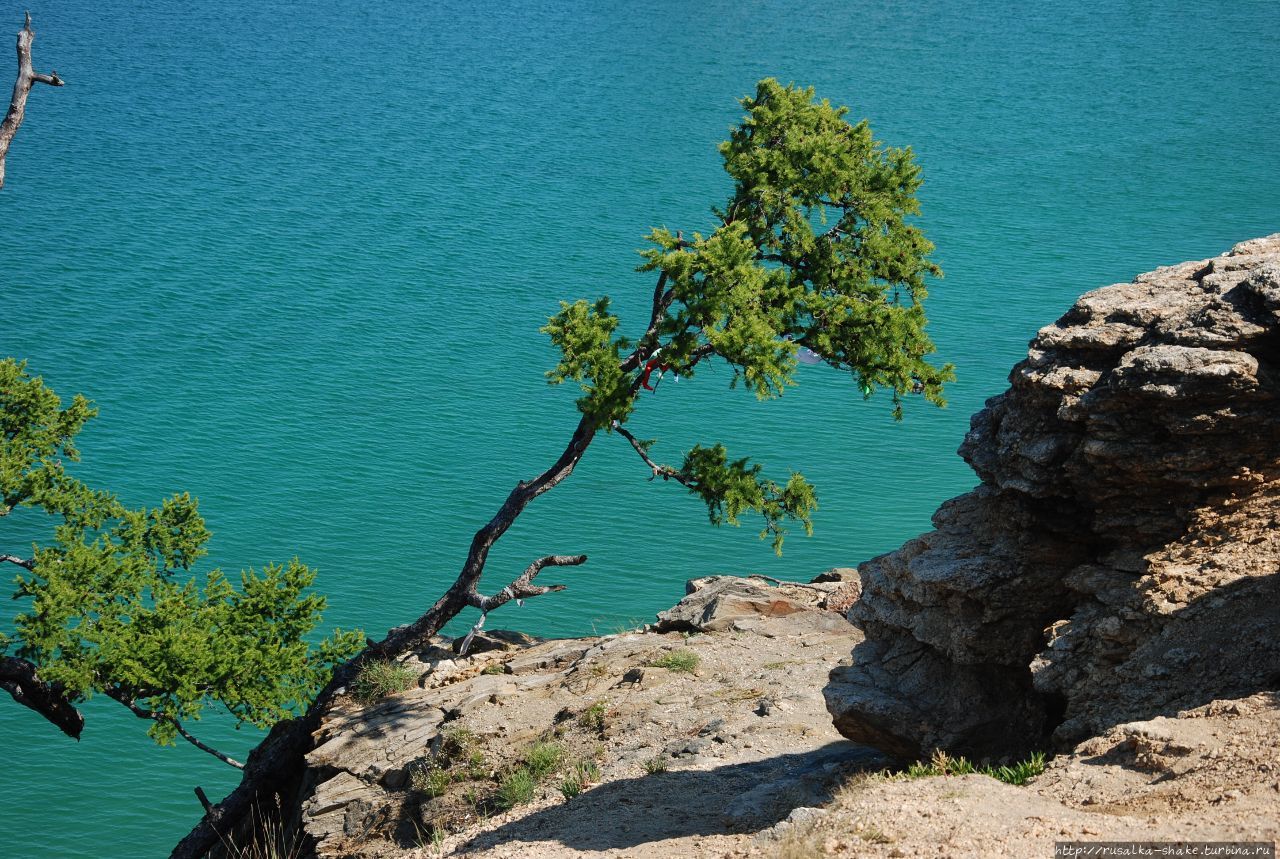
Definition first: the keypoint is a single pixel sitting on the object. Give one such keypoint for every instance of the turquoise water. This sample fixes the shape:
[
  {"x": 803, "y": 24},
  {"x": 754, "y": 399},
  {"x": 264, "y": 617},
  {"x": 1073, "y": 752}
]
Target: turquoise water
[{"x": 299, "y": 253}]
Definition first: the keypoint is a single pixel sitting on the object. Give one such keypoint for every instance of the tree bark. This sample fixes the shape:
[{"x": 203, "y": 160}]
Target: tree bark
[
  {"x": 282, "y": 751},
  {"x": 18, "y": 677},
  {"x": 27, "y": 76},
  {"x": 285, "y": 745}
]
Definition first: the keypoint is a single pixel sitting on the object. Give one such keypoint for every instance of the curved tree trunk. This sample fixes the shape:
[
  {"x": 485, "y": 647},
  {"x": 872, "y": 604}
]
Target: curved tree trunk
[{"x": 281, "y": 753}]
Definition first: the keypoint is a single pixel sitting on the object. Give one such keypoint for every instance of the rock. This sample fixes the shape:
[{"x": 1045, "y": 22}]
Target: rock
[
  {"x": 552, "y": 654},
  {"x": 680, "y": 745},
  {"x": 402, "y": 727},
  {"x": 721, "y": 601},
  {"x": 836, "y": 574},
  {"x": 497, "y": 639},
  {"x": 1118, "y": 559}
]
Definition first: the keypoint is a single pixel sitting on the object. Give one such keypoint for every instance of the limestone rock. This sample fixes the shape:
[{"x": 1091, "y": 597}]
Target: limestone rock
[
  {"x": 1119, "y": 558},
  {"x": 718, "y": 603}
]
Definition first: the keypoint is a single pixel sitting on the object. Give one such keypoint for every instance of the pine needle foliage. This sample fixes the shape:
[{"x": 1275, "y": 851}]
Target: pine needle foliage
[
  {"x": 109, "y": 604},
  {"x": 815, "y": 248}
]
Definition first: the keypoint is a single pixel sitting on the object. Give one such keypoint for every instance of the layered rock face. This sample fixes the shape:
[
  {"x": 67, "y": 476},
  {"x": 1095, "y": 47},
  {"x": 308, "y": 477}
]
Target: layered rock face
[{"x": 1120, "y": 558}]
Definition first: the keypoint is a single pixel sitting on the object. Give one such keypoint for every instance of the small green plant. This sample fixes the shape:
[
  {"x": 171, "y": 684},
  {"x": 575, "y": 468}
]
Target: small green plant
[
  {"x": 379, "y": 679},
  {"x": 458, "y": 744},
  {"x": 677, "y": 660},
  {"x": 1021, "y": 772},
  {"x": 943, "y": 764},
  {"x": 430, "y": 780},
  {"x": 270, "y": 839},
  {"x": 516, "y": 789},
  {"x": 543, "y": 758},
  {"x": 592, "y": 718},
  {"x": 581, "y": 775},
  {"x": 571, "y": 786},
  {"x": 653, "y": 766},
  {"x": 495, "y": 668},
  {"x": 873, "y": 835}
]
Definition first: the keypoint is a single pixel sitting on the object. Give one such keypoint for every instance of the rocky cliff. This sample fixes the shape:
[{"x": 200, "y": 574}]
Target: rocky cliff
[{"x": 1119, "y": 559}]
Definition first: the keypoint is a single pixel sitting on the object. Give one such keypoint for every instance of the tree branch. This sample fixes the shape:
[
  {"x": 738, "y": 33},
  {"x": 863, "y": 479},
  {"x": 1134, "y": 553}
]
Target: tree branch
[
  {"x": 21, "y": 87},
  {"x": 18, "y": 677},
  {"x": 143, "y": 713},
  {"x": 25, "y": 563},
  {"x": 666, "y": 472},
  {"x": 523, "y": 587}
]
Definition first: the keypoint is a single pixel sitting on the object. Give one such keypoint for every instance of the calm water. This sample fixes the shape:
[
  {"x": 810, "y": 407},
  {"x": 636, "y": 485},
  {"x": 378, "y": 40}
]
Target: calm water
[{"x": 299, "y": 253}]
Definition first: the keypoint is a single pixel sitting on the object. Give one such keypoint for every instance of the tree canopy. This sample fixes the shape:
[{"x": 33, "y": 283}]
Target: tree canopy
[
  {"x": 815, "y": 249},
  {"x": 109, "y": 606}
]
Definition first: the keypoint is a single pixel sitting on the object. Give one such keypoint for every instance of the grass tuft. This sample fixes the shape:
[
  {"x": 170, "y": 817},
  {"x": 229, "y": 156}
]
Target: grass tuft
[
  {"x": 516, "y": 789},
  {"x": 430, "y": 780},
  {"x": 379, "y": 679},
  {"x": 581, "y": 775},
  {"x": 943, "y": 764},
  {"x": 592, "y": 718},
  {"x": 677, "y": 660},
  {"x": 543, "y": 758},
  {"x": 653, "y": 766}
]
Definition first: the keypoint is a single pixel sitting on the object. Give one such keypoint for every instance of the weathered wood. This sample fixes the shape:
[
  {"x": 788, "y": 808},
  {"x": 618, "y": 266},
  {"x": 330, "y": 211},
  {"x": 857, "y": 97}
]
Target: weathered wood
[{"x": 27, "y": 76}]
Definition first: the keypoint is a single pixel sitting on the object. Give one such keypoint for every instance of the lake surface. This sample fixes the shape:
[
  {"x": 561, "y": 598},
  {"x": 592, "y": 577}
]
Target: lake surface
[{"x": 298, "y": 254}]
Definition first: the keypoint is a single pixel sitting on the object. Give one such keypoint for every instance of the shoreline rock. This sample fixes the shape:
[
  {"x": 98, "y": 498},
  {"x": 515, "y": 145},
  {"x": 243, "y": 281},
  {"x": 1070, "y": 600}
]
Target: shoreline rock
[{"x": 1119, "y": 559}]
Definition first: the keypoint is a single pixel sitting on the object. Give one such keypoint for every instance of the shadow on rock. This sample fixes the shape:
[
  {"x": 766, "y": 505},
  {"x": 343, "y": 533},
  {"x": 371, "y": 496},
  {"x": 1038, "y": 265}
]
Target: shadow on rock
[{"x": 744, "y": 797}]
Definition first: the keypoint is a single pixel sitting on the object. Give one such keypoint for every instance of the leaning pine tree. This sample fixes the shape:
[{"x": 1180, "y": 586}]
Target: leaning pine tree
[{"x": 813, "y": 250}]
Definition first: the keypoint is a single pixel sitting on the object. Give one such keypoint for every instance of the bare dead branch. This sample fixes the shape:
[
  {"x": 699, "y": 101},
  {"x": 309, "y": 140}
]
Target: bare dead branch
[
  {"x": 144, "y": 713},
  {"x": 523, "y": 587},
  {"x": 21, "y": 87},
  {"x": 25, "y": 563},
  {"x": 18, "y": 677}
]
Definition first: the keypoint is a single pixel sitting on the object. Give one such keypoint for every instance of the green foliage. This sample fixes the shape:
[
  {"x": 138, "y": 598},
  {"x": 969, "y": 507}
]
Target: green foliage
[
  {"x": 592, "y": 357},
  {"x": 580, "y": 776},
  {"x": 379, "y": 678},
  {"x": 516, "y": 789},
  {"x": 1019, "y": 773},
  {"x": 592, "y": 718},
  {"x": 814, "y": 248},
  {"x": 941, "y": 764},
  {"x": 571, "y": 786},
  {"x": 106, "y": 609},
  {"x": 678, "y": 660},
  {"x": 653, "y": 766},
  {"x": 543, "y": 758},
  {"x": 729, "y": 489},
  {"x": 430, "y": 780}
]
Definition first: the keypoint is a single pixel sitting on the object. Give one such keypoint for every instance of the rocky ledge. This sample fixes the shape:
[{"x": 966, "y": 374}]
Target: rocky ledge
[
  {"x": 1119, "y": 559},
  {"x": 707, "y": 723}
]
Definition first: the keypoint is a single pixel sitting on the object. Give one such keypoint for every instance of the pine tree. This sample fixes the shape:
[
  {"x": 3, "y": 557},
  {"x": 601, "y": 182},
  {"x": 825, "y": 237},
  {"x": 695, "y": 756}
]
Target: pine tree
[
  {"x": 814, "y": 250},
  {"x": 108, "y": 605}
]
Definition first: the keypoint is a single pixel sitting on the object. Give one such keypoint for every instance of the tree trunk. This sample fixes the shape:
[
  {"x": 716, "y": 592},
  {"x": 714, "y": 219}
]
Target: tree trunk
[{"x": 21, "y": 87}]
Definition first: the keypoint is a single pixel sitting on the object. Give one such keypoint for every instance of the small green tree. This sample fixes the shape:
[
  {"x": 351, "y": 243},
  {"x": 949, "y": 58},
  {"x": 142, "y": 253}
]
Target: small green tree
[{"x": 106, "y": 610}]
